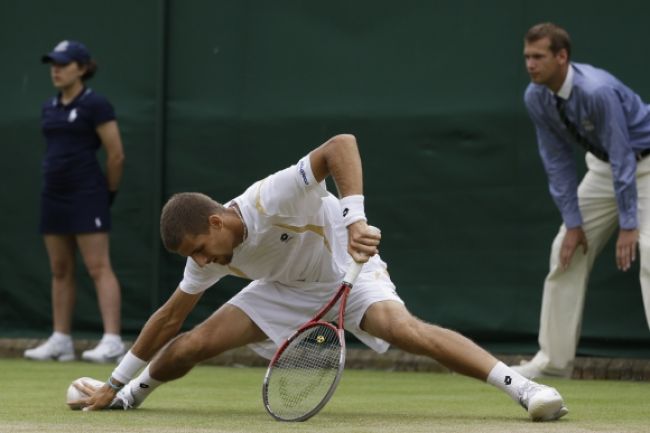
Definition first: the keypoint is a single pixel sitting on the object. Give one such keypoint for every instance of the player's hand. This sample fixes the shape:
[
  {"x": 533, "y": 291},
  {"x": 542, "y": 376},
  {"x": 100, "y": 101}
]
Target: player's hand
[
  {"x": 97, "y": 398},
  {"x": 572, "y": 240},
  {"x": 363, "y": 241},
  {"x": 626, "y": 248}
]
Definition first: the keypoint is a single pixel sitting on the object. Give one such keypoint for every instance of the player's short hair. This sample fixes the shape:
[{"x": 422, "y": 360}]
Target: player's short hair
[
  {"x": 186, "y": 213},
  {"x": 559, "y": 37}
]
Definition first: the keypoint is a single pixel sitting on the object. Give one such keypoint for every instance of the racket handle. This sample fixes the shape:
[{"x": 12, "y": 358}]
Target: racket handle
[
  {"x": 355, "y": 267},
  {"x": 352, "y": 273}
]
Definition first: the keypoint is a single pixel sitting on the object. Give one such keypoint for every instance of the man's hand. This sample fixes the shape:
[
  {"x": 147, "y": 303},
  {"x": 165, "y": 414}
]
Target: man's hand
[
  {"x": 362, "y": 241},
  {"x": 572, "y": 239},
  {"x": 626, "y": 248},
  {"x": 98, "y": 398}
]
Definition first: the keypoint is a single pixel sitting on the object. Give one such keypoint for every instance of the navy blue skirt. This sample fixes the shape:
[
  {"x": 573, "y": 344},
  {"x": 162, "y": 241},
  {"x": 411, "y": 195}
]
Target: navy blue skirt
[{"x": 74, "y": 212}]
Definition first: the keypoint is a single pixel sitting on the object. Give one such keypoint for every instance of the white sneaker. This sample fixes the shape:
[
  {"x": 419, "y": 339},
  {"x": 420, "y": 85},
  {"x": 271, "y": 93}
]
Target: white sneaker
[
  {"x": 542, "y": 402},
  {"x": 52, "y": 349},
  {"x": 108, "y": 350},
  {"x": 532, "y": 370},
  {"x": 124, "y": 399}
]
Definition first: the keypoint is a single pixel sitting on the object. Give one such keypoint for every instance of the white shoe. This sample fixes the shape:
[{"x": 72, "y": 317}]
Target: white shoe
[
  {"x": 124, "y": 399},
  {"x": 532, "y": 370},
  {"x": 542, "y": 402},
  {"x": 108, "y": 350},
  {"x": 52, "y": 349}
]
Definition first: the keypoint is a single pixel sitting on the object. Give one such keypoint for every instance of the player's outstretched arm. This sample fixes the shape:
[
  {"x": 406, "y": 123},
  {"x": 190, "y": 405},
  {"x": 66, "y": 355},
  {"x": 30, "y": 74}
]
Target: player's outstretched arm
[{"x": 162, "y": 326}]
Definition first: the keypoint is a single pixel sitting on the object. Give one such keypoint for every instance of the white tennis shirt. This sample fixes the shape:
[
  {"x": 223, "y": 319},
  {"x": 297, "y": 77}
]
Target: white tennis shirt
[{"x": 296, "y": 235}]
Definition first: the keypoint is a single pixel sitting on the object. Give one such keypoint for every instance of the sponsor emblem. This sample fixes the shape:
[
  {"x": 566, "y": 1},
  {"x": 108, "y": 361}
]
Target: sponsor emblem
[
  {"x": 302, "y": 172},
  {"x": 587, "y": 125}
]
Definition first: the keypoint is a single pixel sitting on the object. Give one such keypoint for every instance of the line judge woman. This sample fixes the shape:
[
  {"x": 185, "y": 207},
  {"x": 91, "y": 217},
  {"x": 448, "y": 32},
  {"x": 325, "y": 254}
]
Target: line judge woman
[{"x": 76, "y": 198}]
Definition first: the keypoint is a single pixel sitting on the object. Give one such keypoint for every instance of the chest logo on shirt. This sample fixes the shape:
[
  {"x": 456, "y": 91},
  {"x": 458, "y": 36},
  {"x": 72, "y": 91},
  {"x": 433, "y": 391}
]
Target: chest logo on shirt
[
  {"x": 73, "y": 115},
  {"x": 587, "y": 125},
  {"x": 285, "y": 237}
]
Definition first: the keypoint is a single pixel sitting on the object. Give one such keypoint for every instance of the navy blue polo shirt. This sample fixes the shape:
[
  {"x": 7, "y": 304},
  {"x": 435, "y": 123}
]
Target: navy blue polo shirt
[{"x": 70, "y": 161}]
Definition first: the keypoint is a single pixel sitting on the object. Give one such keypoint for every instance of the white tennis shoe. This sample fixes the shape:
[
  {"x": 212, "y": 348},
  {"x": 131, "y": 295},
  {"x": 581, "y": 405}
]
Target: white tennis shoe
[
  {"x": 108, "y": 350},
  {"x": 542, "y": 402},
  {"x": 53, "y": 349},
  {"x": 124, "y": 399}
]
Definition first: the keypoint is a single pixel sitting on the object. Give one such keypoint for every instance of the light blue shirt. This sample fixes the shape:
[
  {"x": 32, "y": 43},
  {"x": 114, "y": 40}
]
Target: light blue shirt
[{"x": 610, "y": 116}]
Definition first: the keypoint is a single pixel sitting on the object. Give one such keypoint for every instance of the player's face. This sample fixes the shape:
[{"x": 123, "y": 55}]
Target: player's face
[
  {"x": 65, "y": 75},
  {"x": 215, "y": 246},
  {"x": 543, "y": 66}
]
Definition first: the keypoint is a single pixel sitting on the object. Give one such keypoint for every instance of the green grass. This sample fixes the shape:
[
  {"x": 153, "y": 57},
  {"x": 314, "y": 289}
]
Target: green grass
[{"x": 223, "y": 399}]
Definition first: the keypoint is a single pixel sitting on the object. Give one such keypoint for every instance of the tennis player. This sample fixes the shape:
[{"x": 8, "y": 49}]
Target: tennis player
[{"x": 294, "y": 240}]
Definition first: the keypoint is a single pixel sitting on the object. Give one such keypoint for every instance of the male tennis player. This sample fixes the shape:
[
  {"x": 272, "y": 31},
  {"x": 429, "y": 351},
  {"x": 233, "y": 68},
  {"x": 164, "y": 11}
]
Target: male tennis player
[{"x": 294, "y": 240}]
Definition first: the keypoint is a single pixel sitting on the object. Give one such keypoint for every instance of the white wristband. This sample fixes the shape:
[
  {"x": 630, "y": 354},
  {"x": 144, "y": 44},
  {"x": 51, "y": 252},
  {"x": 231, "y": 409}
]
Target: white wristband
[
  {"x": 128, "y": 367},
  {"x": 352, "y": 208}
]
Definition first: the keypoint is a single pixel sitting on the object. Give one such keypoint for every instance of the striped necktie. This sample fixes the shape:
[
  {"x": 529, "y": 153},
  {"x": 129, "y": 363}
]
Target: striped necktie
[{"x": 573, "y": 130}]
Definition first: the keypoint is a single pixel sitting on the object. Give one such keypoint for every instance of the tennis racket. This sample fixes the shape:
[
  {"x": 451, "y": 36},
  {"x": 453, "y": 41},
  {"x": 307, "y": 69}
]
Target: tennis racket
[{"x": 305, "y": 370}]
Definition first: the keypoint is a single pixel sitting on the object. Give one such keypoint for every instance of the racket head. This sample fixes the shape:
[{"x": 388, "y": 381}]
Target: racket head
[{"x": 304, "y": 373}]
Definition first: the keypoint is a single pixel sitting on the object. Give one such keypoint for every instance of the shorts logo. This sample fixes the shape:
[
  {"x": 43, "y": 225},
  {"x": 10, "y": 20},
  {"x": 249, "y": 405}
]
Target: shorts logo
[
  {"x": 285, "y": 237},
  {"x": 98, "y": 222},
  {"x": 508, "y": 380},
  {"x": 143, "y": 385}
]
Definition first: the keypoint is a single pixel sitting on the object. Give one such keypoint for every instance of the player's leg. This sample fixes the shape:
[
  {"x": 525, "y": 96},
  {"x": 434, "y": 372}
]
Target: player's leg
[
  {"x": 61, "y": 251},
  {"x": 94, "y": 249},
  {"x": 391, "y": 321},
  {"x": 228, "y": 328},
  {"x": 564, "y": 290}
]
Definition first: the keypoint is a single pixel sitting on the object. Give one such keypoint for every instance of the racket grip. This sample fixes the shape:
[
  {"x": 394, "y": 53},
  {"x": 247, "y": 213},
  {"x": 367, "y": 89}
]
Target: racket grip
[
  {"x": 352, "y": 273},
  {"x": 355, "y": 267}
]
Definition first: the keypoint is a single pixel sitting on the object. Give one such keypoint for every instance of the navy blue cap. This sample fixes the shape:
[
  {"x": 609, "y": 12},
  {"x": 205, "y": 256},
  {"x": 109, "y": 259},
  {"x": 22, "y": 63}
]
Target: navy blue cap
[{"x": 67, "y": 52}]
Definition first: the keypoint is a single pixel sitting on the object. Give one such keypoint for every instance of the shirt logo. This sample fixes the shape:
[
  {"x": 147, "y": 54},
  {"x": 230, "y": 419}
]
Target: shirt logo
[
  {"x": 508, "y": 380},
  {"x": 285, "y": 237},
  {"x": 302, "y": 172},
  {"x": 73, "y": 115},
  {"x": 62, "y": 46},
  {"x": 345, "y": 212},
  {"x": 98, "y": 222}
]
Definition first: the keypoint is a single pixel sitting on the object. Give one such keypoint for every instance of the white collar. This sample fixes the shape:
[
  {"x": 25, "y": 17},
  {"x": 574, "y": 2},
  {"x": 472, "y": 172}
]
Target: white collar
[{"x": 567, "y": 86}]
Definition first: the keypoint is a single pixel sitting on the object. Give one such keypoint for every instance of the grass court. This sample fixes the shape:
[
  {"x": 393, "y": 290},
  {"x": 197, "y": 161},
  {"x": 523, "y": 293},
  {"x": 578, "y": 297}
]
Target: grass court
[{"x": 228, "y": 399}]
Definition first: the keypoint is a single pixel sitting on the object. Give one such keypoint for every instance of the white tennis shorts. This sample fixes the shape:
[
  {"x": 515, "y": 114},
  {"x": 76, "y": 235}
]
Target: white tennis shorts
[{"x": 279, "y": 310}]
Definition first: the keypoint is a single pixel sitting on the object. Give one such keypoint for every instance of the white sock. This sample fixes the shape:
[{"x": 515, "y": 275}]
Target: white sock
[
  {"x": 143, "y": 385},
  {"x": 112, "y": 337},
  {"x": 60, "y": 337},
  {"x": 507, "y": 380}
]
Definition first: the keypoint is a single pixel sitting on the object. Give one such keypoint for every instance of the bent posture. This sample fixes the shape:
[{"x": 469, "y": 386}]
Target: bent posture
[
  {"x": 574, "y": 105},
  {"x": 294, "y": 240}
]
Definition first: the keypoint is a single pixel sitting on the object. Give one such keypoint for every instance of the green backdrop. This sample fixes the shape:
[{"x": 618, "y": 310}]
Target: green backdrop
[{"x": 212, "y": 95}]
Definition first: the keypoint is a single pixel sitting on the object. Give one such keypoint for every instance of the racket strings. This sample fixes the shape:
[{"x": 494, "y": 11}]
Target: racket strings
[{"x": 304, "y": 373}]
